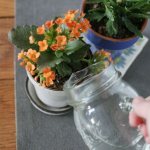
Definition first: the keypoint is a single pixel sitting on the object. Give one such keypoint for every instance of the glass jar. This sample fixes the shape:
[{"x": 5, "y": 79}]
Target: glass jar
[{"x": 102, "y": 101}]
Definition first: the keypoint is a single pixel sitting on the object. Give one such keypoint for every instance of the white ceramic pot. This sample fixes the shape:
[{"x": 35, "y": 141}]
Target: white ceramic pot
[{"x": 47, "y": 96}]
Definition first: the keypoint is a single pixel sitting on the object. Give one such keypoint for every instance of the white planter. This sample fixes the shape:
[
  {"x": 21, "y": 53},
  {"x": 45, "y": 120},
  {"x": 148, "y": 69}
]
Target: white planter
[{"x": 47, "y": 96}]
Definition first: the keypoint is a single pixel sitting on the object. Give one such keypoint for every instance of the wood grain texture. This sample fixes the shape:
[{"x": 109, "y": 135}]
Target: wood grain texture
[
  {"x": 6, "y": 49},
  {"x": 6, "y": 8},
  {"x": 5, "y": 25},
  {"x": 7, "y": 108},
  {"x": 7, "y": 62},
  {"x": 7, "y": 115}
]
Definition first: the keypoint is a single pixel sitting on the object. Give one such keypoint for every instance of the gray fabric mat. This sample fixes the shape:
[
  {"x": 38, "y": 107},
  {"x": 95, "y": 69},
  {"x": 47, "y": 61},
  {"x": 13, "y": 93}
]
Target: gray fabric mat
[{"x": 37, "y": 131}]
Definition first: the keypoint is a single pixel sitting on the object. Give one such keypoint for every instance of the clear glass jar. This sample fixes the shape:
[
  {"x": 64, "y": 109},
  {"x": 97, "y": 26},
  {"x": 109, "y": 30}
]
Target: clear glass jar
[{"x": 102, "y": 101}]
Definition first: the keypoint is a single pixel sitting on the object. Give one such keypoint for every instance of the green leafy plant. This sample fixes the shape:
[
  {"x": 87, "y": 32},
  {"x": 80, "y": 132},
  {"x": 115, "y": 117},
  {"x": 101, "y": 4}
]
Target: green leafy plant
[
  {"x": 118, "y": 18},
  {"x": 53, "y": 51}
]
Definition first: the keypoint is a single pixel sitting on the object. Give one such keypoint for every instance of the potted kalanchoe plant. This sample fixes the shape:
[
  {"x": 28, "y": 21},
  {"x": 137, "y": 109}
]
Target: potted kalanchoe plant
[
  {"x": 116, "y": 24},
  {"x": 52, "y": 52}
]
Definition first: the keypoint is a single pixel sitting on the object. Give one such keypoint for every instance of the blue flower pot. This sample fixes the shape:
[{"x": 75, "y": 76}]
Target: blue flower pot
[{"x": 109, "y": 43}]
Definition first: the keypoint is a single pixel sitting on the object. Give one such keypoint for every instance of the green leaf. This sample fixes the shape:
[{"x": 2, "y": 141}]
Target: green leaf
[
  {"x": 59, "y": 53},
  {"x": 73, "y": 46},
  {"x": 139, "y": 15},
  {"x": 111, "y": 28},
  {"x": 145, "y": 9},
  {"x": 98, "y": 16},
  {"x": 80, "y": 54},
  {"x": 109, "y": 13},
  {"x": 131, "y": 27},
  {"x": 48, "y": 59},
  {"x": 19, "y": 36},
  {"x": 94, "y": 1},
  {"x": 63, "y": 69},
  {"x": 138, "y": 4},
  {"x": 78, "y": 65},
  {"x": 66, "y": 58}
]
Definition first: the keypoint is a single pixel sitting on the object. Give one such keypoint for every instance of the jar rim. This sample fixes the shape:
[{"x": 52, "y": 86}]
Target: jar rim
[{"x": 86, "y": 80}]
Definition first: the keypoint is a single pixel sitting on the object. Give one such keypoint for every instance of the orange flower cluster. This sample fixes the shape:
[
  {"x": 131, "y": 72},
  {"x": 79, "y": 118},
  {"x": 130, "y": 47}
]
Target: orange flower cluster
[
  {"x": 73, "y": 24},
  {"x": 30, "y": 67},
  {"x": 33, "y": 55},
  {"x": 70, "y": 15},
  {"x": 59, "y": 21},
  {"x": 41, "y": 30},
  {"x": 21, "y": 55},
  {"x": 49, "y": 77},
  {"x": 43, "y": 45},
  {"x": 104, "y": 54},
  {"x": 29, "y": 59},
  {"x": 49, "y": 24},
  {"x": 61, "y": 42}
]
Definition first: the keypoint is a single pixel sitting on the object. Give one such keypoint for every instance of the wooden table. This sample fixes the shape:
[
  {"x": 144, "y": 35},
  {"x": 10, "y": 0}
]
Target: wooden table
[
  {"x": 35, "y": 119},
  {"x": 7, "y": 111}
]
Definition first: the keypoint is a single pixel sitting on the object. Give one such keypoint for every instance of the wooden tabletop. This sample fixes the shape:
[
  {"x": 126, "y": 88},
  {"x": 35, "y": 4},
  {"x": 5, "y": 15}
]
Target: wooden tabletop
[{"x": 7, "y": 103}]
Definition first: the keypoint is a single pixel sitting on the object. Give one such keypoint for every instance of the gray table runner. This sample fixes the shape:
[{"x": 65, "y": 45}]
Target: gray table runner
[{"x": 37, "y": 131}]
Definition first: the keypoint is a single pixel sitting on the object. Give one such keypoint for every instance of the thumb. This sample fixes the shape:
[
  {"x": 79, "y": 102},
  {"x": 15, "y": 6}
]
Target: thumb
[{"x": 141, "y": 107}]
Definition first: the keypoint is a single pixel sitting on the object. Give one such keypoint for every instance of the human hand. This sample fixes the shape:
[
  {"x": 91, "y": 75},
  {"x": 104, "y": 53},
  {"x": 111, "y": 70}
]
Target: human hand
[{"x": 140, "y": 116}]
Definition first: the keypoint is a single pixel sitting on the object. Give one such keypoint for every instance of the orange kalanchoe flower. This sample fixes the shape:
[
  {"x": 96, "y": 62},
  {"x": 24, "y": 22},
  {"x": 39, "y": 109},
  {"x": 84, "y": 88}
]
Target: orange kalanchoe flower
[
  {"x": 73, "y": 11},
  {"x": 40, "y": 30},
  {"x": 22, "y": 64},
  {"x": 31, "y": 39},
  {"x": 59, "y": 21},
  {"x": 82, "y": 14},
  {"x": 75, "y": 33},
  {"x": 71, "y": 24},
  {"x": 104, "y": 53},
  {"x": 49, "y": 24},
  {"x": 59, "y": 30},
  {"x": 85, "y": 25},
  {"x": 61, "y": 40},
  {"x": 30, "y": 67},
  {"x": 78, "y": 26},
  {"x": 21, "y": 55},
  {"x": 33, "y": 55},
  {"x": 54, "y": 47},
  {"x": 70, "y": 15},
  {"x": 43, "y": 45},
  {"x": 49, "y": 76}
]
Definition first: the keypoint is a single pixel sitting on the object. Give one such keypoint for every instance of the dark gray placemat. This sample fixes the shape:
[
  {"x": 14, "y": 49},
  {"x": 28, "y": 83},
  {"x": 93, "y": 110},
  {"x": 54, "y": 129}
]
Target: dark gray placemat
[
  {"x": 37, "y": 131},
  {"x": 139, "y": 73}
]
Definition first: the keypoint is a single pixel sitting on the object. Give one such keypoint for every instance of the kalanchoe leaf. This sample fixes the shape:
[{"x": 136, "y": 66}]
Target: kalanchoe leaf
[
  {"x": 48, "y": 59},
  {"x": 19, "y": 36},
  {"x": 80, "y": 54},
  {"x": 131, "y": 27},
  {"x": 73, "y": 46},
  {"x": 66, "y": 58},
  {"x": 63, "y": 69},
  {"x": 59, "y": 53}
]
